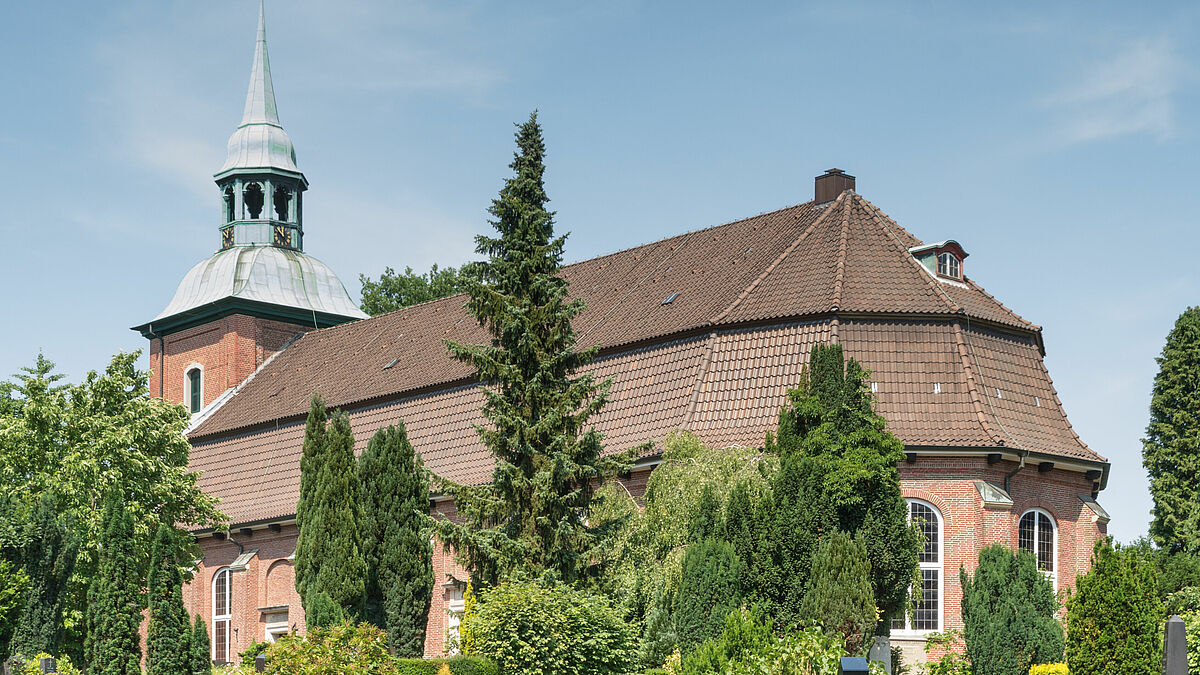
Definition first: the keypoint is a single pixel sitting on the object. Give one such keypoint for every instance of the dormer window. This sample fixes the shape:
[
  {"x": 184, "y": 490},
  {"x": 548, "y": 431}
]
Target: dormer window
[{"x": 948, "y": 265}]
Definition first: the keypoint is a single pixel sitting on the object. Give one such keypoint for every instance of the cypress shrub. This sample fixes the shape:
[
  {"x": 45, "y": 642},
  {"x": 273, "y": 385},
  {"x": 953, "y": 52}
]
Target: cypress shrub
[
  {"x": 709, "y": 589},
  {"x": 49, "y": 559},
  {"x": 114, "y": 608},
  {"x": 1114, "y": 616},
  {"x": 201, "y": 662},
  {"x": 169, "y": 635},
  {"x": 840, "y": 597},
  {"x": 1008, "y": 612},
  {"x": 320, "y": 611},
  {"x": 396, "y": 545}
]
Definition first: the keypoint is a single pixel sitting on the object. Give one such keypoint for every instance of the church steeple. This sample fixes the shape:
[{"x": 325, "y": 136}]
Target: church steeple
[{"x": 260, "y": 184}]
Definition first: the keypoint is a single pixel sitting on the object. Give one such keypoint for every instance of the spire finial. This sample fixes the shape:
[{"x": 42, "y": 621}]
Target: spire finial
[{"x": 260, "y": 99}]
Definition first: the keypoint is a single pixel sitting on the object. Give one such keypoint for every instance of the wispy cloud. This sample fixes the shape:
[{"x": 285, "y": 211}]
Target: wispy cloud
[{"x": 1129, "y": 92}]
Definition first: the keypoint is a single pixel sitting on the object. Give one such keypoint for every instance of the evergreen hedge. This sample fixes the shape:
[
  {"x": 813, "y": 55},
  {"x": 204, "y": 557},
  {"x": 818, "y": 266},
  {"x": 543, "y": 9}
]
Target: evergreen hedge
[{"x": 458, "y": 665}]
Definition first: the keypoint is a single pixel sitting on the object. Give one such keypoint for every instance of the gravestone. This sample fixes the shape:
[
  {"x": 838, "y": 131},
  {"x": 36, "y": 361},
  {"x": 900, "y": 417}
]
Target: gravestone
[
  {"x": 1175, "y": 648},
  {"x": 852, "y": 665},
  {"x": 881, "y": 651}
]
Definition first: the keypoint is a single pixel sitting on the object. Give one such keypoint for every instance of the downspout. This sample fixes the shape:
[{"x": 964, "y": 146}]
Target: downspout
[
  {"x": 241, "y": 549},
  {"x": 1010, "y": 474}
]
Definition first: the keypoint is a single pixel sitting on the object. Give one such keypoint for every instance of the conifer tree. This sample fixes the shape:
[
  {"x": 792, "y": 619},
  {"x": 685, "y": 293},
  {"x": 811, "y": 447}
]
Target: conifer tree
[
  {"x": 48, "y": 558},
  {"x": 399, "y": 556},
  {"x": 840, "y": 597},
  {"x": 532, "y": 515},
  {"x": 709, "y": 588},
  {"x": 168, "y": 638},
  {"x": 329, "y": 557},
  {"x": 830, "y": 421},
  {"x": 201, "y": 649},
  {"x": 114, "y": 608},
  {"x": 800, "y": 517},
  {"x": 1114, "y": 616},
  {"x": 1171, "y": 448}
]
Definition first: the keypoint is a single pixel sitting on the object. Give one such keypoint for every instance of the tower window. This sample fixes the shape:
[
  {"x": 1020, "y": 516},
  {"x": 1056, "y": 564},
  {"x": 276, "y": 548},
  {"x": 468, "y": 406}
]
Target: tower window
[
  {"x": 948, "y": 265},
  {"x": 221, "y": 615},
  {"x": 195, "y": 389},
  {"x": 230, "y": 211},
  {"x": 283, "y": 197},
  {"x": 254, "y": 200}
]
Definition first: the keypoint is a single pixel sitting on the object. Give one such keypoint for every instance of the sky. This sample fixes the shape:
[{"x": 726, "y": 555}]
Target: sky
[{"x": 1058, "y": 142}]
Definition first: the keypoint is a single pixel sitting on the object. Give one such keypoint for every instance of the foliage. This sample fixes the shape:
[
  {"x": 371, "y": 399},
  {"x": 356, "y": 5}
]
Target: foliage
[
  {"x": 14, "y": 587},
  {"x": 248, "y": 654},
  {"x": 48, "y": 557},
  {"x": 1171, "y": 448},
  {"x": 169, "y": 635},
  {"x": 320, "y": 610},
  {"x": 539, "y": 628},
  {"x": 709, "y": 589},
  {"x": 62, "y": 665},
  {"x": 458, "y": 665},
  {"x": 343, "y": 649},
  {"x": 1114, "y": 616},
  {"x": 77, "y": 443},
  {"x": 1049, "y": 669},
  {"x": 1176, "y": 570},
  {"x": 746, "y": 632},
  {"x": 200, "y": 662},
  {"x": 830, "y": 422},
  {"x": 1008, "y": 612},
  {"x": 840, "y": 598},
  {"x": 329, "y": 559},
  {"x": 114, "y": 608},
  {"x": 943, "y": 655},
  {"x": 748, "y": 646},
  {"x": 395, "y": 291},
  {"x": 531, "y": 516},
  {"x": 396, "y": 546}
]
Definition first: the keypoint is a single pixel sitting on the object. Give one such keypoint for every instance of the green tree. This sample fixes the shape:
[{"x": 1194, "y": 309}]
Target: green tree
[
  {"x": 840, "y": 597},
  {"x": 395, "y": 291},
  {"x": 1171, "y": 448},
  {"x": 168, "y": 638},
  {"x": 531, "y": 516},
  {"x": 49, "y": 559},
  {"x": 14, "y": 585},
  {"x": 830, "y": 420},
  {"x": 329, "y": 559},
  {"x": 1115, "y": 616},
  {"x": 114, "y": 608},
  {"x": 1008, "y": 612},
  {"x": 709, "y": 589},
  {"x": 396, "y": 546},
  {"x": 201, "y": 650}
]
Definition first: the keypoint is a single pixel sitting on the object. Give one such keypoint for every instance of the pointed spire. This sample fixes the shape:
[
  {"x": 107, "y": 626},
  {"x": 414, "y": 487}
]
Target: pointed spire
[{"x": 260, "y": 99}]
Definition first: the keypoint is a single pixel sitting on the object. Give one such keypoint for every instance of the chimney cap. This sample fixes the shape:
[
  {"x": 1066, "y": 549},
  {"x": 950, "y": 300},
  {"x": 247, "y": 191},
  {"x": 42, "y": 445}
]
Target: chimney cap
[
  {"x": 831, "y": 172},
  {"x": 831, "y": 184}
]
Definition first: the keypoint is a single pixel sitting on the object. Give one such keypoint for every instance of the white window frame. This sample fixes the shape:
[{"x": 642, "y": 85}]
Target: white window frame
[
  {"x": 187, "y": 387},
  {"x": 939, "y": 566},
  {"x": 456, "y": 606},
  {"x": 953, "y": 265},
  {"x": 226, "y": 618},
  {"x": 1052, "y": 575}
]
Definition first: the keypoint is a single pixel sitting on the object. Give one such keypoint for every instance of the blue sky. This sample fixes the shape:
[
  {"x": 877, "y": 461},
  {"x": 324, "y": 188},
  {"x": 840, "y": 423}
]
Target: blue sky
[{"x": 1058, "y": 143}]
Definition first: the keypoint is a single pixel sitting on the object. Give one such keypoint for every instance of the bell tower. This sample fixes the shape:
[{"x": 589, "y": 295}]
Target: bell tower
[{"x": 246, "y": 302}]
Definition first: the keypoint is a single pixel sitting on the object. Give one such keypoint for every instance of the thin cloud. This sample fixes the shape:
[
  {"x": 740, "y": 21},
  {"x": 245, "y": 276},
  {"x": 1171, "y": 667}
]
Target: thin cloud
[{"x": 1128, "y": 93}]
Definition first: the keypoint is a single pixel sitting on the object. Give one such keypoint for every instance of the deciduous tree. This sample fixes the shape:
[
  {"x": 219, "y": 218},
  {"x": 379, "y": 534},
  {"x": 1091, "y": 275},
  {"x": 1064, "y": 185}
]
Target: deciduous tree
[{"x": 395, "y": 291}]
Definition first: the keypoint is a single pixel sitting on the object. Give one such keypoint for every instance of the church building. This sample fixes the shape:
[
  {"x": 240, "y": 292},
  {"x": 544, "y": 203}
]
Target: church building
[{"x": 705, "y": 331}]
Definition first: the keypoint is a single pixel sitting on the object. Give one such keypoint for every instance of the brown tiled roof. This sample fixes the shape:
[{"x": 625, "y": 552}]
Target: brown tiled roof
[{"x": 754, "y": 296}]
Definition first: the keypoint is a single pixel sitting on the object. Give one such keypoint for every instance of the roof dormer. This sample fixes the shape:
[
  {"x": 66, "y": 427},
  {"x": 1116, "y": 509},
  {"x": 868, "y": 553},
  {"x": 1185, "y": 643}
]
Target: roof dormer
[{"x": 943, "y": 259}]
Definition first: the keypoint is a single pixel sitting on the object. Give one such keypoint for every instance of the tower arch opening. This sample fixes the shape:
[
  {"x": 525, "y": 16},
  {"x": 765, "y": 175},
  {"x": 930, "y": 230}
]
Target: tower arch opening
[{"x": 254, "y": 199}]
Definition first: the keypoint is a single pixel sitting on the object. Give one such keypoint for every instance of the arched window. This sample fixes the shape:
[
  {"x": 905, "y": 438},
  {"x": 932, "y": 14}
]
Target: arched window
[
  {"x": 926, "y": 614},
  {"x": 253, "y": 196},
  {"x": 282, "y": 199},
  {"x": 1037, "y": 534},
  {"x": 195, "y": 389},
  {"x": 222, "y": 612},
  {"x": 948, "y": 265}
]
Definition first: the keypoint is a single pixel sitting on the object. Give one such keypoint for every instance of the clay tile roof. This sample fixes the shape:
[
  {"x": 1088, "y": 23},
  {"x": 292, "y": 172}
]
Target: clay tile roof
[{"x": 953, "y": 367}]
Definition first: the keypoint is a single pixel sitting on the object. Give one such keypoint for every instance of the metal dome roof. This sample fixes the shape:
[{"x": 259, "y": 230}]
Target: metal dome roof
[{"x": 264, "y": 274}]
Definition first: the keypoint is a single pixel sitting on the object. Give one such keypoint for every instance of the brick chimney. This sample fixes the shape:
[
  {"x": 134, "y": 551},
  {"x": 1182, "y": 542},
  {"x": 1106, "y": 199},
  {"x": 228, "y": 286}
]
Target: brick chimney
[{"x": 831, "y": 184}]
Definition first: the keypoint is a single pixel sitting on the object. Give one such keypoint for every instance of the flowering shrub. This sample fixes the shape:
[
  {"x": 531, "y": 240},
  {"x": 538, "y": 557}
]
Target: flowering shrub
[{"x": 1049, "y": 669}]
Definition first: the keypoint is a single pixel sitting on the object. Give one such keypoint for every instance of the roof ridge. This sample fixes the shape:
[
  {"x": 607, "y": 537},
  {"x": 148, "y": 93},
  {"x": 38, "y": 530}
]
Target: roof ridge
[
  {"x": 972, "y": 382},
  {"x": 771, "y": 268},
  {"x": 839, "y": 277},
  {"x": 882, "y": 220}
]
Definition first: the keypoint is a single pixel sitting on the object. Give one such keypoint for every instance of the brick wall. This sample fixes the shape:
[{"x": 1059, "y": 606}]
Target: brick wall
[{"x": 229, "y": 350}]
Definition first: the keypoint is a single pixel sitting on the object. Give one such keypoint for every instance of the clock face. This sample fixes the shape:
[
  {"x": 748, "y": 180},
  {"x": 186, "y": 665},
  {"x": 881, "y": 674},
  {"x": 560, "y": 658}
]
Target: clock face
[
  {"x": 227, "y": 237},
  {"x": 282, "y": 236}
]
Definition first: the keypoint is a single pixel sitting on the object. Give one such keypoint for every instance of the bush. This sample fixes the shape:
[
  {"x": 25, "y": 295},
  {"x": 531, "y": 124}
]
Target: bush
[
  {"x": 1186, "y": 603},
  {"x": 344, "y": 649},
  {"x": 1008, "y": 614},
  {"x": 530, "y": 627},
  {"x": 63, "y": 664},
  {"x": 1049, "y": 669},
  {"x": 951, "y": 661},
  {"x": 709, "y": 589},
  {"x": 1115, "y": 617},
  {"x": 840, "y": 597},
  {"x": 459, "y": 665},
  {"x": 748, "y": 646},
  {"x": 255, "y": 648}
]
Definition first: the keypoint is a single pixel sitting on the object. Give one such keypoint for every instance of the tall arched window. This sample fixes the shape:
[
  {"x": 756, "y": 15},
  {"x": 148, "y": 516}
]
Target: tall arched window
[
  {"x": 1037, "y": 534},
  {"x": 926, "y": 614},
  {"x": 222, "y": 612},
  {"x": 195, "y": 389}
]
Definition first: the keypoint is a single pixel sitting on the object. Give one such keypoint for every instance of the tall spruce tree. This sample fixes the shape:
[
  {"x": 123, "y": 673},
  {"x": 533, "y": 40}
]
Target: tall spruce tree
[
  {"x": 830, "y": 422},
  {"x": 115, "y": 601},
  {"x": 1171, "y": 448},
  {"x": 396, "y": 546},
  {"x": 200, "y": 662},
  {"x": 48, "y": 557},
  {"x": 329, "y": 557},
  {"x": 532, "y": 515},
  {"x": 169, "y": 636}
]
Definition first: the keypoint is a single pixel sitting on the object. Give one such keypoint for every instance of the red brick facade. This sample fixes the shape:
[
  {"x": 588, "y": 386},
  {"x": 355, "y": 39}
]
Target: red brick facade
[{"x": 227, "y": 350}]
